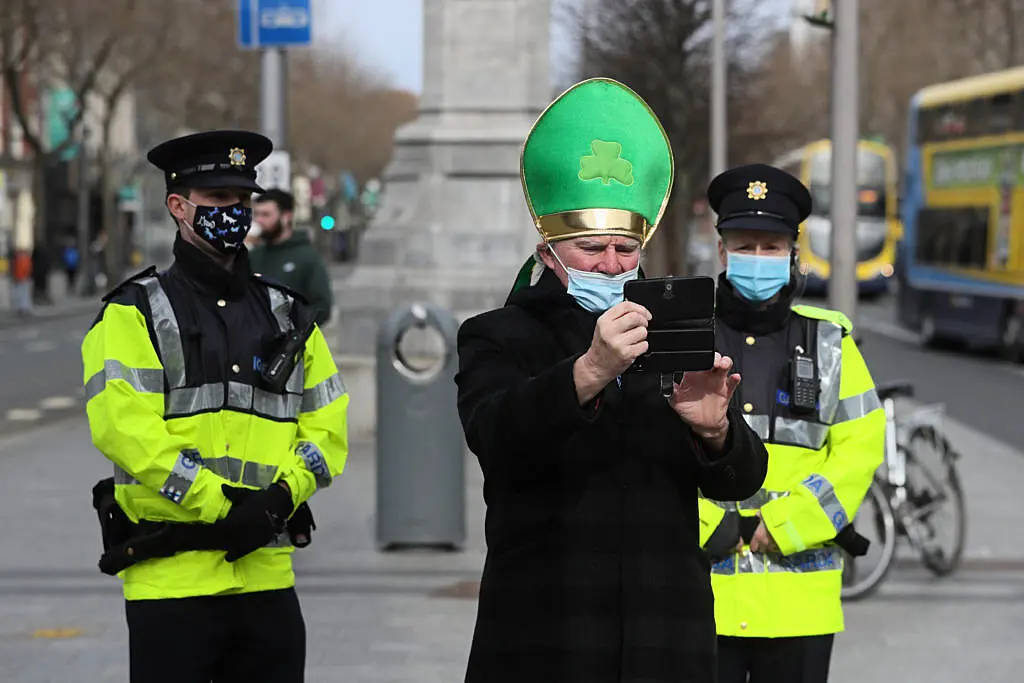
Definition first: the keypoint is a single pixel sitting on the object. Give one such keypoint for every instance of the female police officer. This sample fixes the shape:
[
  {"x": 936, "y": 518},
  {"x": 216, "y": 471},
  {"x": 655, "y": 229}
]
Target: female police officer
[
  {"x": 808, "y": 394},
  {"x": 209, "y": 455}
]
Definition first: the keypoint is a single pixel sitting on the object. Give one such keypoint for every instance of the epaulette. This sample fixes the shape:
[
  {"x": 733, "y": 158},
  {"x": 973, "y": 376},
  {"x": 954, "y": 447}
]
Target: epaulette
[
  {"x": 270, "y": 282},
  {"x": 825, "y": 314},
  {"x": 120, "y": 287}
]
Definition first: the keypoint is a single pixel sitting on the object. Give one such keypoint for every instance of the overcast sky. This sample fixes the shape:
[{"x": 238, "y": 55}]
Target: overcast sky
[{"x": 388, "y": 34}]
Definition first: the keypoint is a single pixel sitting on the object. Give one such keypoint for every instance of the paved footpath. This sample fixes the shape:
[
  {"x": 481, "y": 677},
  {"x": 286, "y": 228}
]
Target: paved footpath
[{"x": 386, "y": 618}]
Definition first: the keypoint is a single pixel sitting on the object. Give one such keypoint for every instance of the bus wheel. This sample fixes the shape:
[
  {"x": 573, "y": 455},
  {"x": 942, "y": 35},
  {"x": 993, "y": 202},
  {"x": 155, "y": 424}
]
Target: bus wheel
[
  {"x": 1013, "y": 344},
  {"x": 929, "y": 340}
]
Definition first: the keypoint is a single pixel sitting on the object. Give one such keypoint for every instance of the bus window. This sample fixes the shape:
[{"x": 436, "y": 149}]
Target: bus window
[
  {"x": 999, "y": 117},
  {"x": 871, "y": 183},
  {"x": 871, "y": 172},
  {"x": 820, "y": 182},
  {"x": 953, "y": 237}
]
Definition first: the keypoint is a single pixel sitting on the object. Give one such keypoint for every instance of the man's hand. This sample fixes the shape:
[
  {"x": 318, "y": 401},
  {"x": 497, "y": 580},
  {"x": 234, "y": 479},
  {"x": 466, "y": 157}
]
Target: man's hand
[
  {"x": 619, "y": 338},
  {"x": 762, "y": 542},
  {"x": 702, "y": 400}
]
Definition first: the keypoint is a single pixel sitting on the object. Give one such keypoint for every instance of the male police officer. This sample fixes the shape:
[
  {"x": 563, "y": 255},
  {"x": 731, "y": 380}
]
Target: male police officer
[
  {"x": 211, "y": 454},
  {"x": 808, "y": 394}
]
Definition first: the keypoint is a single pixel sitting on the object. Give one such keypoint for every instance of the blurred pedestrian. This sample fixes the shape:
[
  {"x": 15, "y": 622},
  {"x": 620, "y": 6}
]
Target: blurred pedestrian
[
  {"x": 71, "y": 259},
  {"x": 288, "y": 256},
  {"x": 21, "y": 281}
]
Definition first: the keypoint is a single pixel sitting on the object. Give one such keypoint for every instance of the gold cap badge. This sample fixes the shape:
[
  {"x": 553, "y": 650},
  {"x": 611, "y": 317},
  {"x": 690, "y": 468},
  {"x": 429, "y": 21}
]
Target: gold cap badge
[
  {"x": 237, "y": 156},
  {"x": 757, "y": 190}
]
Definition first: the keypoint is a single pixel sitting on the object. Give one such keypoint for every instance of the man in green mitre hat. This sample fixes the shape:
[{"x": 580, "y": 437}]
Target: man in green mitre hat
[{"x": 594, "y": 573}]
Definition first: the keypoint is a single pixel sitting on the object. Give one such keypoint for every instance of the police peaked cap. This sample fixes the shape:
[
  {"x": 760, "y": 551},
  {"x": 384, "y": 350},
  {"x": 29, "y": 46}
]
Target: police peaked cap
[
  {"x": 216, "y": 158},
  {"x": 759, "y": 197}
]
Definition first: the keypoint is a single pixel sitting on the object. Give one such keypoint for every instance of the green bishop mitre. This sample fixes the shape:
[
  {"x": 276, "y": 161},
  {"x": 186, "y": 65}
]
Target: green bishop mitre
[{"x": 597, "y": 161}]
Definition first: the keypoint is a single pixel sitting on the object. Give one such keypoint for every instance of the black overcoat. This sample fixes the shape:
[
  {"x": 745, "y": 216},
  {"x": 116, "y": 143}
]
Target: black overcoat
[{"x": 593, "y": 571}]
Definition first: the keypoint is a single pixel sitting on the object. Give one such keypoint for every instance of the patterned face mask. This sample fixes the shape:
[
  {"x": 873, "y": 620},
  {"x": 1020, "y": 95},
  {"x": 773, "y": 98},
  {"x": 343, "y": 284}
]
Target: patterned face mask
[{"x": 223, "y": 227}]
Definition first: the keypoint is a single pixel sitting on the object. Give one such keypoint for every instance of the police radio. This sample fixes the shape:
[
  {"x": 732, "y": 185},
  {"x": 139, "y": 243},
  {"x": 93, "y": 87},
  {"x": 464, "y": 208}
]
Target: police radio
[{"x": 804, "y": 382}]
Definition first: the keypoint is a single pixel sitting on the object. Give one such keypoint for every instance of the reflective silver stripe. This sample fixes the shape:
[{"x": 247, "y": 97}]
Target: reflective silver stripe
[
  {"x": 759, "y": 424},
  {"x": 182, "y": 475},
  {"x": 792, "y": 432},
  {"x": 854, "y": 407},
  {"x": 185, "y": 401},
  {"x": 238, "y": 471},
  {"x": 143, "y": 380},
  {"x": 281, "y": 306},
  {"x": 826, "y": 495},
  {"x": 323, "y": 394},
  {"x": 168, "y": 336},
  {"x": 232, "y": 469},
  {"x": 315, "y": 463},
  {"x": 804, "y": 562},
  {"x": 122, "y": 477},
  {"x": 830, "y": 363},
  {"x": 754, "y": 502},
  {"x": 262, "y": 402},
  {"x": 297, "y": 379}
]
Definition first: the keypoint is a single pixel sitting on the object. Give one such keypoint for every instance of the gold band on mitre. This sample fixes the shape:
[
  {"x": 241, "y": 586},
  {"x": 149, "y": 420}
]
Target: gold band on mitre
[{"x": 569, "y": 224}]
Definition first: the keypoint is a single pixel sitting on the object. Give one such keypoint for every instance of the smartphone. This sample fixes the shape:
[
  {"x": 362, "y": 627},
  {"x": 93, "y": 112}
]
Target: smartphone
[{"x": 681, "y": 333}]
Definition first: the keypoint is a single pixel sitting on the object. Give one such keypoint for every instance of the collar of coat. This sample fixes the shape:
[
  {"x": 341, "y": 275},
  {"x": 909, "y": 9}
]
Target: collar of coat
[{"x": 208, "y": 274}]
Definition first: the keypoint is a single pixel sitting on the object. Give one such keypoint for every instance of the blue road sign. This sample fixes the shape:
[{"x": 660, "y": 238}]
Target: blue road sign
[{"x": 274, "y": 23}]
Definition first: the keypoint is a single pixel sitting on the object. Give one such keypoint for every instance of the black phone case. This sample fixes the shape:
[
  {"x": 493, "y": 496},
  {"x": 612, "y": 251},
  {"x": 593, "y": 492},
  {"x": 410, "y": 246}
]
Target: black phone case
[{"x": 681, "y": 333}]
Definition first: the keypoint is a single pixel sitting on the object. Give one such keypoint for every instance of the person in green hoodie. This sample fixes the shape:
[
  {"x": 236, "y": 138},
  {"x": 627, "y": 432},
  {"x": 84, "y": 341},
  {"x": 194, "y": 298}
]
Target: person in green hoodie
[{"x": 288, "y": 256}]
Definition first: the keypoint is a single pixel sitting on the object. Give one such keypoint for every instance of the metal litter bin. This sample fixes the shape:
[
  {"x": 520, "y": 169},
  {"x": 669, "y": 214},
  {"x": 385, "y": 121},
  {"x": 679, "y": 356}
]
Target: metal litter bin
[{"x": 421, "y": 489}]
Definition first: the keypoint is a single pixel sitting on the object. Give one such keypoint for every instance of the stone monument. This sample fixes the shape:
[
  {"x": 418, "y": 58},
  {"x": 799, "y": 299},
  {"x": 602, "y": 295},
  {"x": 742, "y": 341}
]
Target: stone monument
[{"x": 453, "y": 227}]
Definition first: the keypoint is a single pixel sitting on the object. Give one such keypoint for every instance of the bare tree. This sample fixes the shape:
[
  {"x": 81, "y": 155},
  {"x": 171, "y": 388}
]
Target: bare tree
[
  {"x": 905, "y": 46},
  {"x": 41, "y": 46},
  {"x": 343, "y": 117},
  {"x": 661, "y": 49}
]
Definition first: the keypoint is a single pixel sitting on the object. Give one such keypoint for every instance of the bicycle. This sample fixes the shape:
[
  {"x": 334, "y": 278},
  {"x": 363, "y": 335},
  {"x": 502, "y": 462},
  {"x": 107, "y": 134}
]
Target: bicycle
[{"x": 899, "y": 504}]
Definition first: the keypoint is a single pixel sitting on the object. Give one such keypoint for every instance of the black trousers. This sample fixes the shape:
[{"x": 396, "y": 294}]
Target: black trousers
[
  {"x": 774, "y": 660},
  {"x": 250, "y": 638}
]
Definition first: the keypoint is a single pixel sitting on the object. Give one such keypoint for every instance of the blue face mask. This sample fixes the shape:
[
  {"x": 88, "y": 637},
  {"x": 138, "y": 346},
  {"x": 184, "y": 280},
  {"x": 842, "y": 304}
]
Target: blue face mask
[
  {"x": 757, "y": 278},
  {"x": 598, "y": 292}
]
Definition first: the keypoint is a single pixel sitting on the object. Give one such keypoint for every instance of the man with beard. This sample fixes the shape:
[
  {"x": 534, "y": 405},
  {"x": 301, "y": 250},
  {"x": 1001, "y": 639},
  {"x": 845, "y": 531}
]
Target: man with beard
[
  {"x": 777, "y": 571},
  {"x": 213, "y": 458},
  {"x": 287, "y": 256},
  {"x": 593, "y": 571}
]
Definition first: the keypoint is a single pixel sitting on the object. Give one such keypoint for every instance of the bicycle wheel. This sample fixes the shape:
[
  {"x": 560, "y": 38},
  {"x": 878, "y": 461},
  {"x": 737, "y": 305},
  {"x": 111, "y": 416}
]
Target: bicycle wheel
[
  {"x": 928, "y": 496},
  {"x": 863, "y": 575}
]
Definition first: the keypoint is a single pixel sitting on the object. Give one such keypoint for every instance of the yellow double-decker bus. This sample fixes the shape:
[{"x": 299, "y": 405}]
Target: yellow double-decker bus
[
  {"x": 878, "y": 225},
  {"x": 963, "y": 210}
]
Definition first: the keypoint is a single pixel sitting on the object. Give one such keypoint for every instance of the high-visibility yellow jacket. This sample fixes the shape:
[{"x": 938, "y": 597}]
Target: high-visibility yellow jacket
[
  {"x": 819, "y": 469},
  {"x": 173, "y": 399}
]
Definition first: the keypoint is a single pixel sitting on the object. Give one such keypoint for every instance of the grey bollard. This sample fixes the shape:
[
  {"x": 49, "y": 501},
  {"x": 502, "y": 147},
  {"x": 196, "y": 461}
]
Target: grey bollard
[{"x": 421, "y": 489}]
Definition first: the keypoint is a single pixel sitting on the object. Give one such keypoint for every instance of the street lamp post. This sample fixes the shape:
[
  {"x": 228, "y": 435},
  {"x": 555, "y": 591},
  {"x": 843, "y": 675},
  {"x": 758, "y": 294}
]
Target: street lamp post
[
  {"x": 87, "y": 279},
  {"x": 842, "y": 281},
  {"x": 718, "y": 103}
]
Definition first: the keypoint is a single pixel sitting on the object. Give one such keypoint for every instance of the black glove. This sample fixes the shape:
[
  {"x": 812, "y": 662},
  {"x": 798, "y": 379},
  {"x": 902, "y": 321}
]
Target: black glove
[
  {"x": 748, "y": 525},
  {"x": 254, "y": 519},
  {"x": 849, "y": 540},
  {"x": 723, "y": 540}
]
